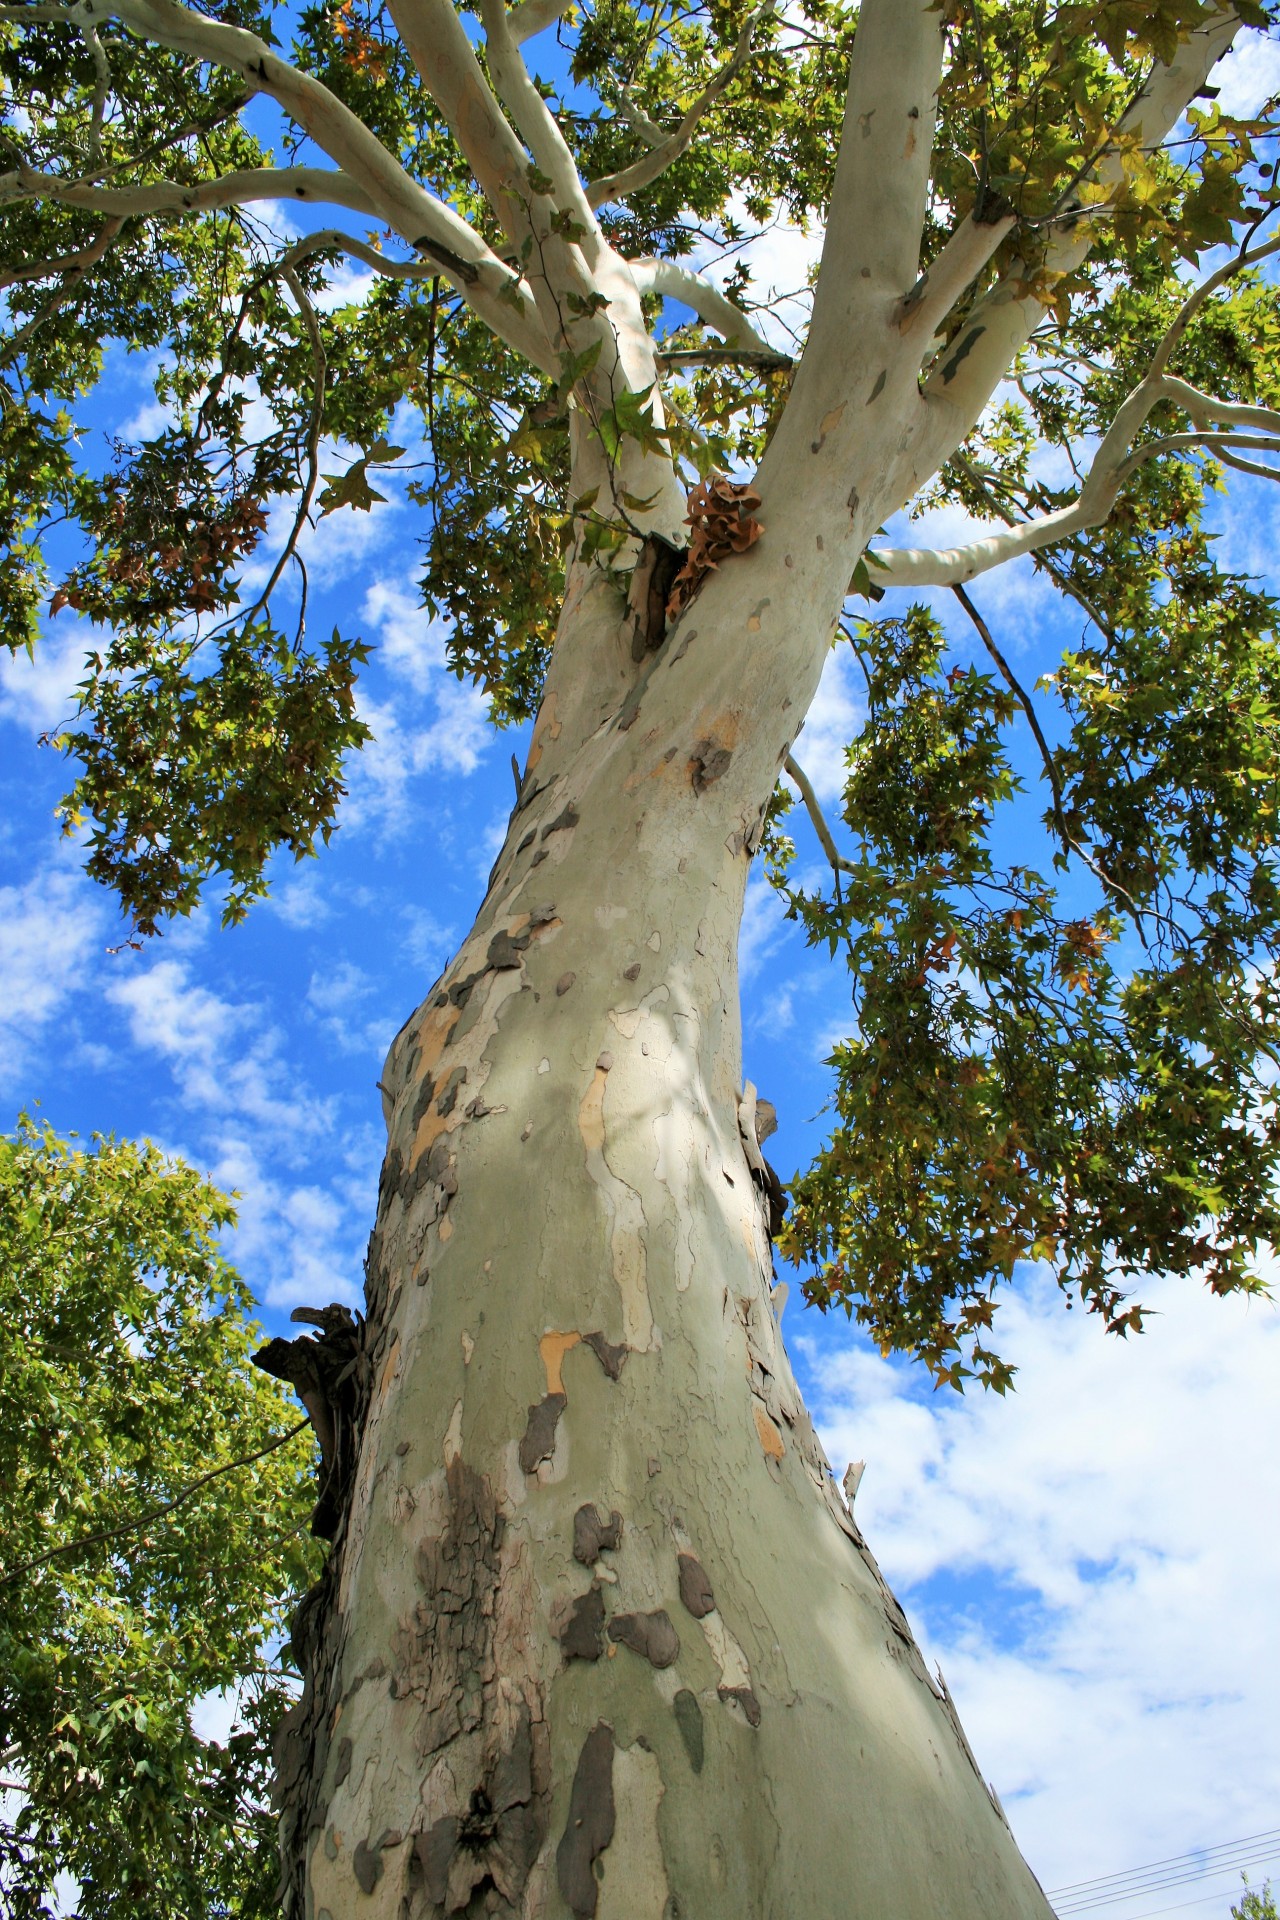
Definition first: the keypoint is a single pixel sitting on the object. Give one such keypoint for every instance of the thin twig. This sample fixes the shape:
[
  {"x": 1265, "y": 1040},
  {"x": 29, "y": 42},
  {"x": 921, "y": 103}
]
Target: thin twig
[
  {"x": 820, "y": 827},
  {"x": 154, "y": 1513}
]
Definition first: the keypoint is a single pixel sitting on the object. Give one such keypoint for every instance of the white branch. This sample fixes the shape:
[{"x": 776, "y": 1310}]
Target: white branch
[
  {"x": 949, "y": 277},
  {"x": 1002, "y": 322},
  {"x": 395, "y": 195},
  {"x": 447, "y": 65},
  {"x": 616, "y": 186},
  {"x": 310, "y": 186},
  {"x": 538, "y": 126},
  {"x": 533, "y": 16},
  {"x": 1258, "y": 430},
  {"x": 674, "y": 282}
]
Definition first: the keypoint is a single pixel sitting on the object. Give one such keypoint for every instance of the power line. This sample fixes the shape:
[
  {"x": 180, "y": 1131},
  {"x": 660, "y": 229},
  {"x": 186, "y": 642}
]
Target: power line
[
  {"x": 1112, "y": 1889},
  {"x": 1173, "y": 1860},
  {"x": 1188, "y": 1877}
]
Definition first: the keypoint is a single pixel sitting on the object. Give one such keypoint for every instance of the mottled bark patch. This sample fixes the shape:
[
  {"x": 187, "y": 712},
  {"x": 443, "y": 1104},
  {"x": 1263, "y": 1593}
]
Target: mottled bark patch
[
  {"x": 612, "y": 1358},
  {"x": 648, "y": 1634},
  {"x": 538, "y": 1441},
  {"x": 488, "y": 1848},
  {"x": 709, "y": 764},
  {"x": 695, "y": 1588},
  {"x": 589, "y": 1828},
  {"x": 746, "y": 1699},
  {"x": 582, "y": 1635},
  {"x": 593, "y": 1535},
  {"x": 689, "y": 1720},
  {"x": 443, "y": 1653}
]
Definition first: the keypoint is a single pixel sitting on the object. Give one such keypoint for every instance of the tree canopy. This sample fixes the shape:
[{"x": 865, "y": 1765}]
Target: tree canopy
[
  {"x": 1066, "y": 1057},
  {"x": 139, "y": 1574}
]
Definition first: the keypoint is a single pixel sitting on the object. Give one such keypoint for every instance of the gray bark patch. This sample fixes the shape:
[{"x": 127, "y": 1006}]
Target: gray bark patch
[
  {"x": 708, "y": 765},
  {"x": 689, "y": 1720},
  {"x": 649, "y": 1634},
  {"x": 449, "y": 1097},
  {"x": 505, "y": 950},
  {"x": 589, "y": 1828},
  {"x": 343, "y": 1767},
  {"x": 443, "y": 1653},
  {"x": 582, "y": 1636},
  {"x": 593, "y": 1535},
  {"x": 695, "y": 1588},
  {"x": 493, "y": 1843},
  {"x": 564, "y": 983},
  {"x": 611, "y": 1358},
  {"x": 562, "y": 822},
  {"x": 744, "y": 1698},
  {"x": 539, "y": 1439},
  {"x": 367, "y": 1867}
]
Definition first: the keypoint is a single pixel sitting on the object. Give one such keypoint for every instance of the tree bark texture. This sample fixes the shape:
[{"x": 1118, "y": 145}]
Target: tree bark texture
[{"x": 599, "y": 1635}]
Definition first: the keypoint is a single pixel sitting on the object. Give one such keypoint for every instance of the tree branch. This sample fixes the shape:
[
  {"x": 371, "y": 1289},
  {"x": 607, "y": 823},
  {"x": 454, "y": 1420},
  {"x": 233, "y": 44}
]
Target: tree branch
[
  {"x": 1115, "y": 461},
  {"x": 945, "y": 282},
  {"x": 763, "y": 357},
  {"x": 307, "y": 185},
  {"x": 532, "y": 16},
  {"x": 814, "y": 810},
  {"x": 396, "y": 196},
  {"x": 81, "y": 263},
  {"x": 538, "y": 128},
  {"x": 72, "y": 263},
  {"x": 153, "y": 1513},
  {"x": 438, "y": 260},
  {"x": 616, "y": 186},
  {"x": 1003, "y": 320},
  {"x": 448, "y": 68},
  {"x": 872, "y": 241},
  {"x": 674, "y": 282}
]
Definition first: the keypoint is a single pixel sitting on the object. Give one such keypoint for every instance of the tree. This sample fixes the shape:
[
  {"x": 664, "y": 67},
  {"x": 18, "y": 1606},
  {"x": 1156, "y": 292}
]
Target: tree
[
  {"x": 155, "y": 1530},
  {"x": 597, "y": 1633},
  {"x": 1254, "y": 1903}
]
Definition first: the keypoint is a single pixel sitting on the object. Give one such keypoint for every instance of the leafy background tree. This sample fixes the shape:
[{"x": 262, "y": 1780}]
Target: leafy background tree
[{"x": 142, "y": 1568}]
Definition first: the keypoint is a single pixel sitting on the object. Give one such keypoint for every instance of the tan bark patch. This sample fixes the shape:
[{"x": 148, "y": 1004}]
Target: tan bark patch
[
  {"x": 770, "y": 1438},
  {"x": 553, "y": 1348}
]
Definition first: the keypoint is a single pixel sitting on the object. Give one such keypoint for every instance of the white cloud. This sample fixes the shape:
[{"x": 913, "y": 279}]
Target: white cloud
[
  {"x": 38, "y": 693},
  {"x": 764, "y": 926},
  {"x": 1122, "y": 1502},
  {"x": 830, "y": 724},
  {"x": 223, "y": 1057},
  {"x": 1249, "y": 74},
  {"x": 301, "y": 903},
  {"x": 50, "y": 929}
]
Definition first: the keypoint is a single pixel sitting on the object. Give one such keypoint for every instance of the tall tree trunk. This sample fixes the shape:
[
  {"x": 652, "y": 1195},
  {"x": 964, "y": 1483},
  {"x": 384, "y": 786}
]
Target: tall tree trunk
[{"x": 599, "y": 1635}]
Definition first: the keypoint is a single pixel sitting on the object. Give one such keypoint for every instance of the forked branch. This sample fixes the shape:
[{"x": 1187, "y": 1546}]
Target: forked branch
[{"x": 642, "y": 172}]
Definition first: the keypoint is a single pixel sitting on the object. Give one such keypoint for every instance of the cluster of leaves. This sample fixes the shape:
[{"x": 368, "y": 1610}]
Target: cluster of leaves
[
  {"x": 1034, "y": 1076},
  {"x": 125, "y": 1343}
]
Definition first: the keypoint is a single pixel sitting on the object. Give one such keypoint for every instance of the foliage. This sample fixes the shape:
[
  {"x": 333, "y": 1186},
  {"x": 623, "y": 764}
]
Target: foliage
[
  {"x": 124, "y": 1351},
  {"x": 1254, "y": 1903}
]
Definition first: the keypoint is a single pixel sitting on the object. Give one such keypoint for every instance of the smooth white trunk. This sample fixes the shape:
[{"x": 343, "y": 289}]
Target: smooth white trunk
[{"x": 600, "y": 1636}]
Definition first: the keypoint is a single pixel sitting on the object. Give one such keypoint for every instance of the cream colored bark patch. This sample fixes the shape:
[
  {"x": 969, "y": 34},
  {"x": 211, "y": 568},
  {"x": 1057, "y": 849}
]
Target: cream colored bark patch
[
  {"x": 626, "y": 1219},
  {"x": 634, "y": 1885}
]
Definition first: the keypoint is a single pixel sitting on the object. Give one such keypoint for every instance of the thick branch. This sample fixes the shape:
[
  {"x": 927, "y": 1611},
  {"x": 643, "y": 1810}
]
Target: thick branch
[
  {"x": 763, "y": 357},
  {"x": 309, "y": 186},
  {"x": 533, "y": 16},
  {"x": 538, "y": 126},
  {"x": 674, "y": 282},
  {"x": 882, "y": 178},
  {"x": 1002, "y": 322},
  {"x": 950, "y": 276},
  {"x": 446, "y": 62},
  {"x": 616, "y": 186}
]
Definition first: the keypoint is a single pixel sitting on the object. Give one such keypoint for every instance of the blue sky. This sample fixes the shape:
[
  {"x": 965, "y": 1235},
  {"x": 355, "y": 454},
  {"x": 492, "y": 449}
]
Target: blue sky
[{"x": 1094, "y": 1561}]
